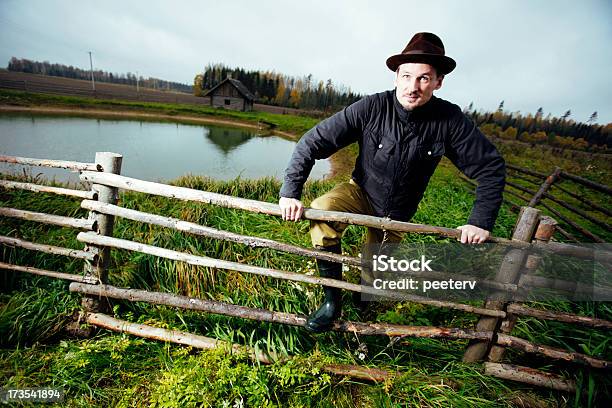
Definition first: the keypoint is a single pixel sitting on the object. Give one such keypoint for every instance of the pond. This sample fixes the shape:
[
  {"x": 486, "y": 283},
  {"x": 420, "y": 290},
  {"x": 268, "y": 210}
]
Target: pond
[{"x": 153, "y": 151}]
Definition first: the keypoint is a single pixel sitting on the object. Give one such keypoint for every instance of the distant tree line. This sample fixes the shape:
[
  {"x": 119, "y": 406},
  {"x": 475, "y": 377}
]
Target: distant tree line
[
  {"x": 61, "y": 70},
  {"x": 305, "y": 93},
  {"x": 556, "y": 131},
  {"x": 277, "y": 89}
]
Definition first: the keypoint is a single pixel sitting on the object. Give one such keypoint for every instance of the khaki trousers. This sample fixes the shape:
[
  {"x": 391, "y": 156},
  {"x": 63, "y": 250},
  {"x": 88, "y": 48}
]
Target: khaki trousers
[{"x": 346, "y": 197}]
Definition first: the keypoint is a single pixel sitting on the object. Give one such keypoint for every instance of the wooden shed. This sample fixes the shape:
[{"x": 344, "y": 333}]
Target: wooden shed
[{"x": 230, "y": 94}]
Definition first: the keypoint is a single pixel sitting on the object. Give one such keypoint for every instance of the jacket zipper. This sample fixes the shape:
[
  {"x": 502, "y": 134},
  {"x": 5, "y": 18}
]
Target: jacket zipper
[{"x": 398, "y": 151}]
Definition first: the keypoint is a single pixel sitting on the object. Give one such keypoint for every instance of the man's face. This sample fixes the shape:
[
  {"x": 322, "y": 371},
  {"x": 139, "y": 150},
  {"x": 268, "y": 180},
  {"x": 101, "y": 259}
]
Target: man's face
[{"x": 415, "y": 84}]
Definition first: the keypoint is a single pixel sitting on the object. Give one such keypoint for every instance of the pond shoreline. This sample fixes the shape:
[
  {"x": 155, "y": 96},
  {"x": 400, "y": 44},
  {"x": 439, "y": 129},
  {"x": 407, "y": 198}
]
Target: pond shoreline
[
  {"x": 340, "y": 162},
  {"x": 113, "y": 114}
]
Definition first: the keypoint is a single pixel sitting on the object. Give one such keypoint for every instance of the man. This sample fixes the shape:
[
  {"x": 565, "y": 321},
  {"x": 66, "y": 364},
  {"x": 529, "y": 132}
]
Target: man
[{"x": 402, "y": 135}]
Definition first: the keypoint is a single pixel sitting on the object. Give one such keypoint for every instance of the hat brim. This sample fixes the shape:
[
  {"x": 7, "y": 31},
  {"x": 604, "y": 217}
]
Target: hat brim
[{"x": 443, "y": 64}]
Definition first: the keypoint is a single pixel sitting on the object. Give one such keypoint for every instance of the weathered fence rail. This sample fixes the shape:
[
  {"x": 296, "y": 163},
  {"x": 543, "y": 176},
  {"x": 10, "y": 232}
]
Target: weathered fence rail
[
  {"x": 261, "y": 207},
  {"x": 109, "y": 242},
  {"x": 518, "y": 175},
  {"x": 43, "y": 272},
  {"x": 182, "y": 193},
  {"x": 371, "y": 329},
  {"x": 520, "y": 310},
  {"x": 58, "y": 164},
  {"x": 487, "y": 341},
  {"x": 553, "y": 180},
  {"x": 514, "y": 207},
  {"x": 542, "y": 193},
  {"x": 581, "y": 180},
  {"x": 48, "y": 249},
  {"x": 59, "y": 220},
  {"x": 228, "y": 309},
  {"x": 14, "y": 185},
  {"x": 548, "y": 181},
  {"x": 197, "y": 229}
]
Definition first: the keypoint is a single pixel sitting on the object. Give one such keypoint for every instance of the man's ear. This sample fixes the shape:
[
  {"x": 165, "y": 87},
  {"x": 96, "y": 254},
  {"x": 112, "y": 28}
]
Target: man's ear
[
  {"x": 395, "y": 78},
  {"x": 439, "y": 84}
]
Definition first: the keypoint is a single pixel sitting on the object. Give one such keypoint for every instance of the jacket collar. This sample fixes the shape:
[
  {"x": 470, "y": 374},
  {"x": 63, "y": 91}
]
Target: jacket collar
[{"x": 406, "y": 115}]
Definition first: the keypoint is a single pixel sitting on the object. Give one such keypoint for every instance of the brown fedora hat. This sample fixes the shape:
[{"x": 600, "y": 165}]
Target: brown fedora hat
[{"x": 425, "y": 48}]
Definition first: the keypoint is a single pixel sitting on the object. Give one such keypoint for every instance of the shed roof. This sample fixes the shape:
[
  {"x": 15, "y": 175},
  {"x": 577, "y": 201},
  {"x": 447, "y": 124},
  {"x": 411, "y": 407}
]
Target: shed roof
[{"x": 237, "y": 84}]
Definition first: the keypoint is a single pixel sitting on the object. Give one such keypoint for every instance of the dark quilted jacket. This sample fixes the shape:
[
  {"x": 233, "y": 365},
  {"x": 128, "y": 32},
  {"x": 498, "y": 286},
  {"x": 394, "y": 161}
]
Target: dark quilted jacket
[{"x": 399, "y": 151}]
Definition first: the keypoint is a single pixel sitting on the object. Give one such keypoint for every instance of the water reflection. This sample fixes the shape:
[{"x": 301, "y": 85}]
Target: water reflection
[{"x": 227, "y": 140}]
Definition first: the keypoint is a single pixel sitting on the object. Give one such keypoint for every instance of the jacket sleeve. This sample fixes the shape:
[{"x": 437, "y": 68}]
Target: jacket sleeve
[
  {"x": 478, "y": 159},
  {"x": 320, "y": 142}
]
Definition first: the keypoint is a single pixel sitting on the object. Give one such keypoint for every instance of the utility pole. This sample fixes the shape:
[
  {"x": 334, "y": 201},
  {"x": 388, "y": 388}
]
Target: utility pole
[
  {"x": 137, "y": 78},
  {"x": 93, "y": 83}
]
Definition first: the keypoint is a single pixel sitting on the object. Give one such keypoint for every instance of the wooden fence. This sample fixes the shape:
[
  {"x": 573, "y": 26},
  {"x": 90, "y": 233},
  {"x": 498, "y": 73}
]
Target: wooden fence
[
  {"x": 487, "y": 341},
  {"x": 546, "y": 182}
]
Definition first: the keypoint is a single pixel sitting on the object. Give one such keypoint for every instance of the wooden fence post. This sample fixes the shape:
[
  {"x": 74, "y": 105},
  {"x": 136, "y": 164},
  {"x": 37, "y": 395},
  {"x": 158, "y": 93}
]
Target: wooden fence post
[
  {"x": 109, "y": 163},
  {"x": 544, "y": 232},
  {"x": 508, "y": 272},
  {"x": 546, "y": 229},
  {"x": 554, "y": 176}
]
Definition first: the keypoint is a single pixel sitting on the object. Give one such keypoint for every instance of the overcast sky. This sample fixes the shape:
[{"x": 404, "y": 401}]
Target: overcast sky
[{"x": 550, "y": 54}]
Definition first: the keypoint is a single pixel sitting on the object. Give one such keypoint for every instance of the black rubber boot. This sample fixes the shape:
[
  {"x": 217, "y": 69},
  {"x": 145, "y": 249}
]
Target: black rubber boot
[{"x": 321, "y": 320}]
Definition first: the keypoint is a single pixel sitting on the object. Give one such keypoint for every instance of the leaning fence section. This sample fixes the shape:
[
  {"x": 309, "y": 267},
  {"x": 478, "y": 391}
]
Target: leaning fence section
[
  {"x": 488, "y": 340},
  {"x": 547, "y": 191}
]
